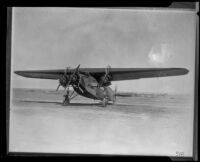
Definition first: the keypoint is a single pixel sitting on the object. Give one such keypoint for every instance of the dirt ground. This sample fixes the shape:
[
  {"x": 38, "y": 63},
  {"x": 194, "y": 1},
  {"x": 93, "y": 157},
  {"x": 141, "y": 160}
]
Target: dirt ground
[{"x": 144, "y": 124}]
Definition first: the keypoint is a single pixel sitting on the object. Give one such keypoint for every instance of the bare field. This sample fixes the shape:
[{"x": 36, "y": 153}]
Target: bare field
[{"x": 144, "y": 124}]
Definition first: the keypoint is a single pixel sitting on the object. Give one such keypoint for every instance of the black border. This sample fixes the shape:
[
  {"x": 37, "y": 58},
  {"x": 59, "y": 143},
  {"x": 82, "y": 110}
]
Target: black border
[{"x": 6, "y": 13}]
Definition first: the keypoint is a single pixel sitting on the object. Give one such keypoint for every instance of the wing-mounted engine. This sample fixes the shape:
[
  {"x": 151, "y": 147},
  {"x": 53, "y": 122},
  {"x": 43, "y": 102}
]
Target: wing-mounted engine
[
  {"x": 68, "y": 78},
  {"x": 64, "y": 79},
  {"x": 105, "y": 80}
]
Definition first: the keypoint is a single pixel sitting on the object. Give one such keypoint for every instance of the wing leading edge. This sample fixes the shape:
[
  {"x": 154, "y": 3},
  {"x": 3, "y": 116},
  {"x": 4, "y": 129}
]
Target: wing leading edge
[{"x": 117, "y": 74}]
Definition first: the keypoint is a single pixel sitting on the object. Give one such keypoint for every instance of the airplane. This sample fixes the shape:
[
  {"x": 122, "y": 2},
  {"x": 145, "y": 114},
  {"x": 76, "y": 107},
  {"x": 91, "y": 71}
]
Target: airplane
[{"x": 94, "y": 83}]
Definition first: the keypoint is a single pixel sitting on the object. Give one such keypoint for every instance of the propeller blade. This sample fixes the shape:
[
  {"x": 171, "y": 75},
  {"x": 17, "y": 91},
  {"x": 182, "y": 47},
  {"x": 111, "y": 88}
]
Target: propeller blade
[
  {"x": 107, "y": 70},
  {"x": 115, "y": 93},
  {"x": 66, "y": 70},
  {"x": 115, "y": 89},
  {"x": 78, "y": 67},
  {"x": 71, "y": 77},
  {"x": 58, "y": 87},
  {"x": 106, "y": 76}
]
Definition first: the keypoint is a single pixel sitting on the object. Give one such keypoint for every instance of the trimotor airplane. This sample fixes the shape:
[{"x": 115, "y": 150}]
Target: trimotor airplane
[{"x": 94, "y": 83}]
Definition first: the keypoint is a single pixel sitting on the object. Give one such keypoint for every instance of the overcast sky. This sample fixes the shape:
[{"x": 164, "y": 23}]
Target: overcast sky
[{"x": 54, "y": 38}]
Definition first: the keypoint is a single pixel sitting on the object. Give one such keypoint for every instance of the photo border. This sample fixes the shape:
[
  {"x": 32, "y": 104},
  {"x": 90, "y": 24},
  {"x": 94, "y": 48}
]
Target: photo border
[{"x": 20, "y": 154}]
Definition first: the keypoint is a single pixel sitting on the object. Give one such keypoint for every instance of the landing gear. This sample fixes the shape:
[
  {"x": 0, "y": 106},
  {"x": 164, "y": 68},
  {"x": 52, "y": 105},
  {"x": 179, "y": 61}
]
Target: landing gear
[
  {"x": 68, "y": 97},
  {"x": 66, "y": 100},
  {"x": 104, "y": 102}
]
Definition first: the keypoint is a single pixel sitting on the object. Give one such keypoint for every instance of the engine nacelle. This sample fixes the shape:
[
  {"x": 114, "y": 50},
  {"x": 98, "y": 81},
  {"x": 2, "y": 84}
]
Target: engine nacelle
[{"x": 64, "y": 80}]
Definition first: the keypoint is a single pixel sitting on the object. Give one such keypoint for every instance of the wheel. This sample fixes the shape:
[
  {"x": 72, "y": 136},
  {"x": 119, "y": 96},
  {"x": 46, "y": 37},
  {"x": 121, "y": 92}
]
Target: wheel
[
  {"x": 66, "y": 100},
  {"x": 104, "y": 102}
]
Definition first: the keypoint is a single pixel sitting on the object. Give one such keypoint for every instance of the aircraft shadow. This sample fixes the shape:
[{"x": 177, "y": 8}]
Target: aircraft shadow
[
  {"x": 30, "y": 101},
  {"x": 75, "y": 104},
  {"x": 118, "y": 107},
  {"x": 60, "y": 103}
]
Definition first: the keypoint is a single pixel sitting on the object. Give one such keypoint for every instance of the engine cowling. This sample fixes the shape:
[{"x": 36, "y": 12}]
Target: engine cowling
[{"x": 64, "y": 80}]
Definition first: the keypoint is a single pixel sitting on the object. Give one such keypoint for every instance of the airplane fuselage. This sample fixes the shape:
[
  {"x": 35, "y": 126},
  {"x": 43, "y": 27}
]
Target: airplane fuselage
[{"x": 87, "y": 86}]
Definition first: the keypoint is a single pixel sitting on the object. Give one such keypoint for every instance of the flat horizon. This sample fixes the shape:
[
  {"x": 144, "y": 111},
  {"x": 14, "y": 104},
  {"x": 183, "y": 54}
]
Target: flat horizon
[{"x": 128, "y": 92}]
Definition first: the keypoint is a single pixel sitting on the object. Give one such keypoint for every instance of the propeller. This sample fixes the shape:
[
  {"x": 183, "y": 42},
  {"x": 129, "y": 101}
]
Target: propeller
[
  {"x": 72, "y": 76},
  {"x": 63, "y": 79},
  {"x": 107, "y": 70},
  {"x": 115, "y": 93},
  {"x": 58, "y": 87},
  {"x": 106, "y": 76}
]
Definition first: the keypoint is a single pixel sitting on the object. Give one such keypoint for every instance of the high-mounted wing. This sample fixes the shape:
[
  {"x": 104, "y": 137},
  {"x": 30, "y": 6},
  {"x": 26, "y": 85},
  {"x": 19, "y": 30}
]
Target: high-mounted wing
[{"x": 116, "y": 74}]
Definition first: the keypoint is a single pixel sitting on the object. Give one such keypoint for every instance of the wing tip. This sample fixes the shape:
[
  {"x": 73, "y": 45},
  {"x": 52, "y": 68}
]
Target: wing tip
[
  {"x": 17, "y": 72},
  {"x": 181, "y": 71},
  {"x": 21, "y": 73},
  {"x": 185, "y": 71}
]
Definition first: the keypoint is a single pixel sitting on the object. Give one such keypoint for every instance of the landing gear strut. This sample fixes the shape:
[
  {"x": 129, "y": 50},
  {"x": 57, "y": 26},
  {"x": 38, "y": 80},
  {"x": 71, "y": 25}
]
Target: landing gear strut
[
  {"x": 66, "y": 100},
  {"x": 105, "y": 101}
]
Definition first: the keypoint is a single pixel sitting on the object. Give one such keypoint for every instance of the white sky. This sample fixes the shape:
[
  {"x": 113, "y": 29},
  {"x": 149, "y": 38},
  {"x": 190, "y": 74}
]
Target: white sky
[{"x": 53, "y": 38}]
